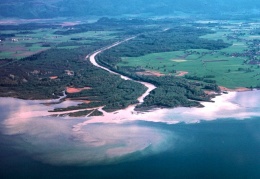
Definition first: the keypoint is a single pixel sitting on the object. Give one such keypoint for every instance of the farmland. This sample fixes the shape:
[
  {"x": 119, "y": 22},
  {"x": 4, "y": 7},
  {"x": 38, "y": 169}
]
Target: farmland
[
  {"x": 26, "y": 43},
  {"x": 184, "y": 59},
  {"x": 231, "y": 67}
]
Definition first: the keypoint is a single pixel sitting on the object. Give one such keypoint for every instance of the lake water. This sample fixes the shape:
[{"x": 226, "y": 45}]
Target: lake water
[{"x": 221, "y": 140}]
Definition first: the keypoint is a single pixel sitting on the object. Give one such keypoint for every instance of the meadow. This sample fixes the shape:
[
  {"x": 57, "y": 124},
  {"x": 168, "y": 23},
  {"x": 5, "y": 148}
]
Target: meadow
[
  {"x": 230, "y": 72},
  {"x": 229, "y": 67},
  {"x": 181, "y": 61},
  {"x": 27, "y": 43}
]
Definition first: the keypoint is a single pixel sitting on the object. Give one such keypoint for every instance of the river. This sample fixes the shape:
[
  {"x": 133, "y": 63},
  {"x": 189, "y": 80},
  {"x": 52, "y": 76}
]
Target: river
[
  {"x": 149, "y": 86},
  {"x": 221, "y": 140}
]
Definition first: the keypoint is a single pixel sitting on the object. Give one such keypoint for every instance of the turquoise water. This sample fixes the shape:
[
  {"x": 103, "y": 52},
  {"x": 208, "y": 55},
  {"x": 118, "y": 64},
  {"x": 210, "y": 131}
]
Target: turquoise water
[
  {"x": 221, "y": 140},
  {"x": 218, "y": 149}
]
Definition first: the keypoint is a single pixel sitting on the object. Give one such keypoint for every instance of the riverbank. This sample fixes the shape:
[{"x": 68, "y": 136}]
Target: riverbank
[
  {"x": 238, "y": 89},
  {"x": 114, "y": 135},
  {"x": 74, "y": 92},
  {"x": 231, "y": 105}
]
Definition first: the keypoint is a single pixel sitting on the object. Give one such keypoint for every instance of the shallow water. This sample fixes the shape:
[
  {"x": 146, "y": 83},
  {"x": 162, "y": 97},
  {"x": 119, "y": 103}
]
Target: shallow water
[{"x": 221, "y": 140}]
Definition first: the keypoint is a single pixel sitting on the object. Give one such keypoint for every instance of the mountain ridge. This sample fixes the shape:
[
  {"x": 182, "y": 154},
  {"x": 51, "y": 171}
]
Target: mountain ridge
[{"x": 81, "y": 8}]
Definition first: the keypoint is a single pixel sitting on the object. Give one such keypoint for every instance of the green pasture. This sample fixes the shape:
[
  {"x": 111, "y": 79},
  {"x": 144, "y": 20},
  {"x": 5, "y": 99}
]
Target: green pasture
[
  {"x": 68, "y": 47},
  {"x": 28, "y": 44},
  {"x": 237, "y": 47},
  {"x": 215, "y": 36},
  {"x": 5, "y": 54},
  {"x": 228, "y": 71}
]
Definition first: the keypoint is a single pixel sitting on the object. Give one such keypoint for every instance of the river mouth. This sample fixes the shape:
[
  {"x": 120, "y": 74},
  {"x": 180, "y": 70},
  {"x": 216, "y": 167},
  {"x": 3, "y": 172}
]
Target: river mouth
[
  {"x": 122, "y": 136},
  {"x": 176, "y": 137},
  {"x": 69, "y": 141},
  {"x": 117, "y": 137}
]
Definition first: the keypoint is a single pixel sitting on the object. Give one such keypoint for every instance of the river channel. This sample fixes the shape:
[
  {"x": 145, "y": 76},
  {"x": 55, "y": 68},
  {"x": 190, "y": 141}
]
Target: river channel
[
  {"x": 221, "y": 140},
  {"x": 149, "y": 86}
]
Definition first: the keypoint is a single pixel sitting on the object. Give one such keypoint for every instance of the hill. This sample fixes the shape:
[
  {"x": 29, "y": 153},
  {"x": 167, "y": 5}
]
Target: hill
[{"x": 81, "y": 8}]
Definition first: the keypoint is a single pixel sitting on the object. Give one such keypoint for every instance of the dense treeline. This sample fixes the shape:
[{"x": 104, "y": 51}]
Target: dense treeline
[
  {"x": 174, "y": 39},
  {"x": 28, "y": 26},
  {"x": 110, "y": 90},
  {"x": 47, "y": 74},
  {"x": 29, "y": 78},
  {"x": 124, "y": 26},
  {"x": 171, "y": 91},
  {"x": 4, "y": 36},
  {"x": 167, "y": 96}
]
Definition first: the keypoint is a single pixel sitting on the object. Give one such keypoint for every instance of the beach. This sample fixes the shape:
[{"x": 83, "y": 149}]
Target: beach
[{"x": 116, "y": 141}]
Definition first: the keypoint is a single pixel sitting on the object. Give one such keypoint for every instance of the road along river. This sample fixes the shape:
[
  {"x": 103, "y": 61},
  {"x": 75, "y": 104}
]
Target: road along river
[{"x": 93, "y": 61}]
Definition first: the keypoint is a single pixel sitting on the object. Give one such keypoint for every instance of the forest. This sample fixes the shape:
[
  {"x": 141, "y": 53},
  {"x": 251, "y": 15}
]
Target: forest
[
  {"x": 173, "y": 39},
  {"x": 171, "y": 91},
  {"x": 47, "y": 74}
]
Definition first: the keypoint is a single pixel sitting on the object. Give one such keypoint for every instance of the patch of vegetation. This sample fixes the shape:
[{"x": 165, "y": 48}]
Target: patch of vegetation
[
  {"x": 232, "y": 67},
  {"x": 171, "y": 91},
  {"x": 174, "y": 92},
  {"x": 24, "y": 40},
  {"x": 174, "y": 39},
  {"x": 227, "y": 57},
  {"x": 96, "y": 113},
  {"x": 80, "y": 113},
  {"x": 30, "y": 78}
]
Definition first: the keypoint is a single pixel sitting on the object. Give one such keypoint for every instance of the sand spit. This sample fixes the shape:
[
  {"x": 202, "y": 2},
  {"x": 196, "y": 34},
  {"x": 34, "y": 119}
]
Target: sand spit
[{"x": 238, "y": 89}]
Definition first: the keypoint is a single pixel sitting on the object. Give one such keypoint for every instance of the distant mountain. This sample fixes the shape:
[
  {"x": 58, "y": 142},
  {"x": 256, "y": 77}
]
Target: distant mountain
[{"x": 81, "y": 8}]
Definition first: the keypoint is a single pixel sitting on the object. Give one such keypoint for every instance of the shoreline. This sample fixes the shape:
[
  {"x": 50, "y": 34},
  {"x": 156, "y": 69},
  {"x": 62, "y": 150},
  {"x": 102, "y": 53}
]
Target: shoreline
[
  {"x": 140, "y": 99},
  {"x": 233, "y": 104},
  {"x": 224, "y": 106},
  {"x": 237, "y": 89},
  {"x": 108, "y": 137}
]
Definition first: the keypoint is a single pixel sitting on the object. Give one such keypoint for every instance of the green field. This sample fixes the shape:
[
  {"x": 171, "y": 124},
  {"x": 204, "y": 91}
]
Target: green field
[
  {"x": 231, "y": 72},
  {"x": 215, "y": 36},
  {"x": 24, "y": 45},
  {"x": 229, "y": 66},
  {"x": 228, "y": 69}
]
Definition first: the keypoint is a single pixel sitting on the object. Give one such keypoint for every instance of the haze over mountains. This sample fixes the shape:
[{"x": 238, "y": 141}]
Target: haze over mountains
[{"x": 81, "y": 8}]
